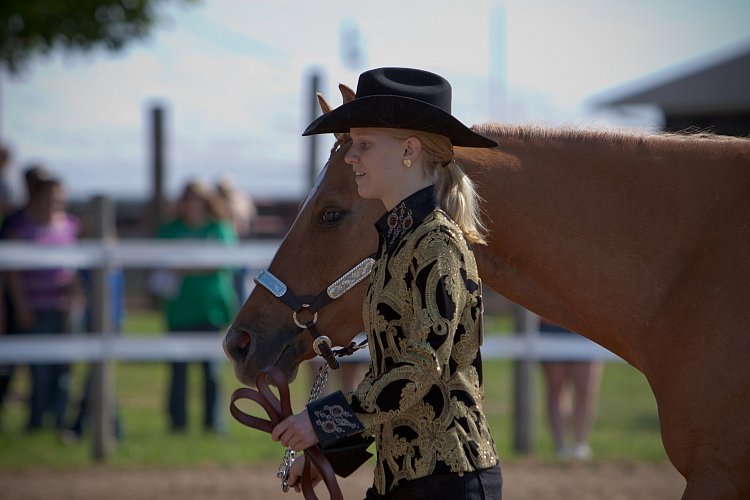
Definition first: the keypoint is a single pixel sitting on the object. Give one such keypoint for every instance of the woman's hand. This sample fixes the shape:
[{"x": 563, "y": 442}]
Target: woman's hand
[
  {"x": 295, "y": 474},
  {"x": 295, "y": 432}
]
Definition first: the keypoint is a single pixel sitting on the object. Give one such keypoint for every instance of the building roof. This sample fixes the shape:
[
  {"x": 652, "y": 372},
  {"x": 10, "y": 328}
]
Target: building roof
[{"x": 717, "y": 84}]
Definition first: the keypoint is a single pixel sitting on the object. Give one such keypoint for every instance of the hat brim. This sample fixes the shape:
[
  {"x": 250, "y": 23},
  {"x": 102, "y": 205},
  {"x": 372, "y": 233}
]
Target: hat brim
[{"x": 389, "y": 111}]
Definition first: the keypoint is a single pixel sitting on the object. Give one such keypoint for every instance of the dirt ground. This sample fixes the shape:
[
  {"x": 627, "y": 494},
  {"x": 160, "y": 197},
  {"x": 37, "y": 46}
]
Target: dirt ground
[{"x": 523, "y": 480}]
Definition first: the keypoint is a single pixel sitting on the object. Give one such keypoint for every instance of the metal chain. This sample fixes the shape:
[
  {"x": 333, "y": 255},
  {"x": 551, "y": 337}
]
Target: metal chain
[{"x": 289, "y": 455}]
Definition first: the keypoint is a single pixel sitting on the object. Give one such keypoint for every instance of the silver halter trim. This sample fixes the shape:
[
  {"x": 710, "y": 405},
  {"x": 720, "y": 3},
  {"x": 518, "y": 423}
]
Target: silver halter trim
[
  {"x": 351, "y": 278},
  {"x": 338, "y": 288},
  {"x": 271, "y": 283}
]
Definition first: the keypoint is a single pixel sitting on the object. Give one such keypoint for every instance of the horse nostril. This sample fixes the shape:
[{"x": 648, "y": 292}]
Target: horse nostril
[
  {"x": 237, "y": 345},
  {"x": 243, "y": 340}
]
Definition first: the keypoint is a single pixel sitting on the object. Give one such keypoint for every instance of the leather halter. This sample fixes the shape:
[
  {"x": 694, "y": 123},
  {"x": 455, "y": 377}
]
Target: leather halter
[{"x": 314, "y": 303}]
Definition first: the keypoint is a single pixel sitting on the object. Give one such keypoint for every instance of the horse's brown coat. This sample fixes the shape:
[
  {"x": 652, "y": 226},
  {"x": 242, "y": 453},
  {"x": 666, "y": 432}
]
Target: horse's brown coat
[{"x": 639, "y": 242}]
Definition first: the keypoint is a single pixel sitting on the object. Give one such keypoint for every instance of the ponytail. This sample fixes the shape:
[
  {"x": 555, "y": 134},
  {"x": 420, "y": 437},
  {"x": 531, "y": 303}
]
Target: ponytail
[
  {"x": 456, "y": 193},
  {"x": 459, "y": 199}
]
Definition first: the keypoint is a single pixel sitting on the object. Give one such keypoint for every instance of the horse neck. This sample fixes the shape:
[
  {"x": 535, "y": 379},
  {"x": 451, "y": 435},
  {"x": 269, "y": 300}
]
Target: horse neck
[{"x": 584, "y": 231}]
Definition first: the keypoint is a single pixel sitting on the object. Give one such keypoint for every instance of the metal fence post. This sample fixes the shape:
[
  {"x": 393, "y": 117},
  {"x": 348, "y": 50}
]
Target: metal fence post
[
  {"x": 527, "y": 325},
  {"x": 158, "y": 210},
  {"x": 103, "y": 380},
  {"x": 313, "y": 140}
]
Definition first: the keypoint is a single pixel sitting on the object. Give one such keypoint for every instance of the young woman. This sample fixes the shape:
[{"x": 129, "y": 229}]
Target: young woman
[{"x": 422, "y": 396}]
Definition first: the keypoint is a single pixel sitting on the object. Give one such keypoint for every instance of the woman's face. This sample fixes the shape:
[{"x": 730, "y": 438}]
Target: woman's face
[
  {"x": 193, "y": 208},
  {"x": 376, "y": 157},
  {"x": 51, "y": 198}
]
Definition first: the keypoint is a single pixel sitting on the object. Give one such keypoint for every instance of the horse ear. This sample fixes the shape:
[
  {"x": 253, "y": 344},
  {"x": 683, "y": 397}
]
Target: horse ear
[
  {"x": 324, "y": 106},
  {"x": 347, "y": 93}
]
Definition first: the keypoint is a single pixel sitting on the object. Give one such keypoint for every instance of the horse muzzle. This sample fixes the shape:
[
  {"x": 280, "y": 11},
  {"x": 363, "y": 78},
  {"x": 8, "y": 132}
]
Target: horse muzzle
[
  {"x": 237, "y": 345},
  {"x": 249, "y": 355}
]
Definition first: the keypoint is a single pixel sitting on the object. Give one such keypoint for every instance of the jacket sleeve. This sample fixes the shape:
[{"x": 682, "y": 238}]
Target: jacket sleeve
[{"x": 339, "y": 432}]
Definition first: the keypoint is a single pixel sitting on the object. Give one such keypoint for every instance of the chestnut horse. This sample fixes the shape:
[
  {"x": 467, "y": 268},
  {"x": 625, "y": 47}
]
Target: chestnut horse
[{"x": 639, "y": 242}]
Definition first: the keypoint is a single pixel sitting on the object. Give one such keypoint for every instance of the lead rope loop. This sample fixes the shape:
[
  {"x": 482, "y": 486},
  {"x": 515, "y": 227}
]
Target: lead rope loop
[{"x": 285, "y": 466}]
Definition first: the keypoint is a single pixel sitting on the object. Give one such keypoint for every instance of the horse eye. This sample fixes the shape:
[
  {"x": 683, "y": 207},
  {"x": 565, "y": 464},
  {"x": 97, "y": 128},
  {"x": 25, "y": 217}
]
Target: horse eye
[{"x": 331, "y": 215}]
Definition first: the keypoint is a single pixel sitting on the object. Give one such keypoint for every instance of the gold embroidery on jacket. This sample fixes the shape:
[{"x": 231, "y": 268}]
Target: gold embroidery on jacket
[{"x": 421, "y": 398}]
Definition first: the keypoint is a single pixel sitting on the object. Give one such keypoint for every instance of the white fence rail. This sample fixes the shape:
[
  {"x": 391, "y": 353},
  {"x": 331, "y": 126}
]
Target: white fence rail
[
  {"x": 30, "y": 349},
  {"x": 137, "y": 253},
  {"x": 105, "y": 347}
]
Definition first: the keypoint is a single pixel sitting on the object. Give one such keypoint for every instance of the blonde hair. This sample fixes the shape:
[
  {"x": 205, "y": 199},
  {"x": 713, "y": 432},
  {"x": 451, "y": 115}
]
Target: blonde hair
[{"x": 456, "y": 192}]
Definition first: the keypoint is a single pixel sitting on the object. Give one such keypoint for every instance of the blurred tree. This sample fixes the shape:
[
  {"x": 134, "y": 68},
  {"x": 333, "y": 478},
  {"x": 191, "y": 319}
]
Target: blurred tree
[{"x": 31, "y": 27}]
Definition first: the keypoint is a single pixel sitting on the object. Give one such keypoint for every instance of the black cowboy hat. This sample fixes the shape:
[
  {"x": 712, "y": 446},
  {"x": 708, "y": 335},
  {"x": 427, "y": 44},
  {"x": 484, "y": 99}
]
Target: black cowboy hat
[{"x": 403, "y": 98}]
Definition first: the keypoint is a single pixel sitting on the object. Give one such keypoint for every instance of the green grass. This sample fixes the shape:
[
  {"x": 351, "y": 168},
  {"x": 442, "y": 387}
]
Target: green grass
[{"x": 627, "y": 426}]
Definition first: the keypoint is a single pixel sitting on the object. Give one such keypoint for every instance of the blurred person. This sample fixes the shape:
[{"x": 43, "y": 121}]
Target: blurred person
[
  {"x": 6, "y": 206},
  {"x": 199, "y": 299},
  {"x": 240, "y": 204},
  {"x": 6, "y": 371},
  {"x": 6, "y": 190},
  {"x": 117, "y": 307},
  {"x": 8, "y": 325},
  {"x": 572, "y": 393},
  {"x": 117, "y": 310},
  {"x": 45, "y": 301},
  {"x": 242, "y": 211},
  {"x": 34, "y": 175}
]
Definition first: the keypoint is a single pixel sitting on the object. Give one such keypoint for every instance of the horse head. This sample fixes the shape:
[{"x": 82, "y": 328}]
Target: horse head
[{"x": 332, "y": 233}]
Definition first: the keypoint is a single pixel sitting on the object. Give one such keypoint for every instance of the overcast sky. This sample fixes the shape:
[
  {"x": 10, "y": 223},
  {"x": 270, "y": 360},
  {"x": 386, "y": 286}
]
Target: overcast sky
[{"x": 232, "y": 76}]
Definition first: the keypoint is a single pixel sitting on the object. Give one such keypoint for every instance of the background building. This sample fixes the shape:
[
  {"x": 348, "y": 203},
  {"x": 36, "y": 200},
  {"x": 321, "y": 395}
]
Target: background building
[{"x": 712, "y": 94}]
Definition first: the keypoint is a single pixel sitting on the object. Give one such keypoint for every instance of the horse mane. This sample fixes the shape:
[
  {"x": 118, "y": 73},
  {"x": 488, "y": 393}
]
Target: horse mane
[{"x": 691, "y": 138}]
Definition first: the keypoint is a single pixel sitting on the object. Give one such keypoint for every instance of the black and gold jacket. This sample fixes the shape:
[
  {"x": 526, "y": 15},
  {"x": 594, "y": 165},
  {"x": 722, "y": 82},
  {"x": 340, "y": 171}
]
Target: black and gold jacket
[{"x": 422, "y": 396}]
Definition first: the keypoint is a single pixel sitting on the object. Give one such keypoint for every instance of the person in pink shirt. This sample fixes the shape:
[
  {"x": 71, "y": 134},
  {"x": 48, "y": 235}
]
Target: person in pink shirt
[{"x": 45, "y": 300}]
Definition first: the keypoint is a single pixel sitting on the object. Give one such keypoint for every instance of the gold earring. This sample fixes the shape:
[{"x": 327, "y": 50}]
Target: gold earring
[{"x": 407, "y": 163}]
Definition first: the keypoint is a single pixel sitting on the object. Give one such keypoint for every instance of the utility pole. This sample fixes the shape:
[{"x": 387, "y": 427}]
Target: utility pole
[
  {"x": 313, "y": 140},
  {"x": 157, "y": 211}
]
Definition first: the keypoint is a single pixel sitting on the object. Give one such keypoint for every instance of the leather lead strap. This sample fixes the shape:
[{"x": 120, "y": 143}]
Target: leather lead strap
[{"x": 278, "y": 410}]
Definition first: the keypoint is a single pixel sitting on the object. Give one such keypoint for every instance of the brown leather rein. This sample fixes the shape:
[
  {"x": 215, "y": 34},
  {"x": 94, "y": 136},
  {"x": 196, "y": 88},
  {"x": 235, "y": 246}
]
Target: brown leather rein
[{"x": 278, "y": 410}]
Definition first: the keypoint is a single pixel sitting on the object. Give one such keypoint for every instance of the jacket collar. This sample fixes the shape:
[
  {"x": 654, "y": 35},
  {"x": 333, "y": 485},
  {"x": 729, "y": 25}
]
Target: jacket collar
[{"x": 406, "y": 215}]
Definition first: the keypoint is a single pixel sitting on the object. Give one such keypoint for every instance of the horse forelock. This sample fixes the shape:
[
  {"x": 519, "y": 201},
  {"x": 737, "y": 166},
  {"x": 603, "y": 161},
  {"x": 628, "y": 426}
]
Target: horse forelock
[{"x": 691, "y": 138}]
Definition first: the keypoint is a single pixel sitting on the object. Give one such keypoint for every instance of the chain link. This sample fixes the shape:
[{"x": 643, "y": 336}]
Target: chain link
[{"x": 289, "y": 455}]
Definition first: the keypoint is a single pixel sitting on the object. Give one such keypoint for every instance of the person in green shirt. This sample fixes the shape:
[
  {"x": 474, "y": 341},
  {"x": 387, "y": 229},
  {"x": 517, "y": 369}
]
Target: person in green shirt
[{"x": 201, "y": 299}]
